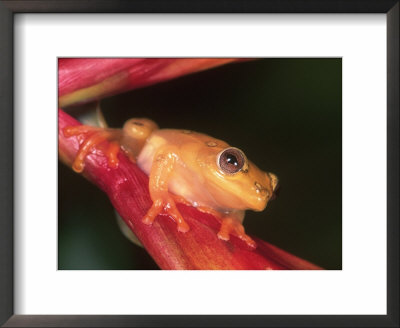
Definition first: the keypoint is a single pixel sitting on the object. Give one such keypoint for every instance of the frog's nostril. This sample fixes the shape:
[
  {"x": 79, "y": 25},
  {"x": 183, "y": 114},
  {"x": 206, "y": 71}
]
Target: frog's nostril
[{"x": 264, "y": 192}]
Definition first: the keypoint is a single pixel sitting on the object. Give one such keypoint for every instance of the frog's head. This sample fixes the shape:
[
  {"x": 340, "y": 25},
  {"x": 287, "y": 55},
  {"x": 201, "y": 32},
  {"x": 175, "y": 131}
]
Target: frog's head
[{"x": 235, "y": 182}]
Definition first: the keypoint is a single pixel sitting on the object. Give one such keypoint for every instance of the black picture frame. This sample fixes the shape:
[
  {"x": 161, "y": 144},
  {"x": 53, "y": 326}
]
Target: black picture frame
[{"x": 7, "y": 11}]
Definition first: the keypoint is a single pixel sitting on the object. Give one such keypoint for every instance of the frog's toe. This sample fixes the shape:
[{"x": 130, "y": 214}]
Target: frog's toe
[
  {"x": 226, "y": 228},
  {"x": 248, "y": 240},
  {"x": 152, "y": 213},
  {"x": 183, "y": 226},
  {"x": 112, "y": 154},
  {"x": 223, "y": 235},
  {"x": 173, "y": 212}
]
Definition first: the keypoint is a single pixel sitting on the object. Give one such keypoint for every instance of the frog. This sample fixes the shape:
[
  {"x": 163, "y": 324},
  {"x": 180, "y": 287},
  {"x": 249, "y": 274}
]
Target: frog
[{"x": 186, "y": 167}]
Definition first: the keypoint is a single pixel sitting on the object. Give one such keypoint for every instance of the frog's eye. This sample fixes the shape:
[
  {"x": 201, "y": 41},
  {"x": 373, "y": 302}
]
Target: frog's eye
[{"x": 231, "y": 160}]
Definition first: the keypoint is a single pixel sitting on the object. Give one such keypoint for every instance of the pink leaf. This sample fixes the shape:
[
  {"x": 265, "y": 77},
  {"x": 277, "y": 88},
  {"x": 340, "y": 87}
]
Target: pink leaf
[{"x": 82, "y": 80}]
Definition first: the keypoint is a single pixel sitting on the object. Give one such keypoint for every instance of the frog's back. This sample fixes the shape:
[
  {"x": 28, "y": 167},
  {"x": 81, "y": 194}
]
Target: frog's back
[
  {"x": 184, "y": 137},
  {"x": 181, "y": 139}
]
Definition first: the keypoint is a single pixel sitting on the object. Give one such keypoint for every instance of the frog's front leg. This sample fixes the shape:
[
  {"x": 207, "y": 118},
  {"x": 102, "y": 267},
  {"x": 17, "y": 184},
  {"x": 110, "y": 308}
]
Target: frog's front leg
[
  {"x": 232, "y": 224},
  {"x": 160, "y": 174}
]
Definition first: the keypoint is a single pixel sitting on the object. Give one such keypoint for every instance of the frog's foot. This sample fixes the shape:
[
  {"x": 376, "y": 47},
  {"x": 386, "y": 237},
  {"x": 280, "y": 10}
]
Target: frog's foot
[
  {"x": 93, "y": 137},
  {"x": 167, "y": 205},
  {"x": 233, "y": 226}
]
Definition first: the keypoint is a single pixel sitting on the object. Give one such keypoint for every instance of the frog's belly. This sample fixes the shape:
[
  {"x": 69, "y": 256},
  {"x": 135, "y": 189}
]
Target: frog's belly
[
  {"x": 191, "y": 187},
  {"x": 145, "y": 158}
]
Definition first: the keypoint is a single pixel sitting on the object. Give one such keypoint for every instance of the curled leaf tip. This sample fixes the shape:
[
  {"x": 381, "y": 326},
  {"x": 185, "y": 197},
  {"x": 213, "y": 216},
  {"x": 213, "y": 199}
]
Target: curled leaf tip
[{"x": 82, "y": 80}]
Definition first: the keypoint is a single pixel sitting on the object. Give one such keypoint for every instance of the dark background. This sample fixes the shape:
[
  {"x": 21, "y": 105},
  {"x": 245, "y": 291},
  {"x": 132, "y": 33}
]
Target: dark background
[{"x": 285, "y": 114}]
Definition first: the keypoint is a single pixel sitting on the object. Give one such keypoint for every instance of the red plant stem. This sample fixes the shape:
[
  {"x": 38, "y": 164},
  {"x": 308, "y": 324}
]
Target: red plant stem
[{"x": 200, "y": 248}]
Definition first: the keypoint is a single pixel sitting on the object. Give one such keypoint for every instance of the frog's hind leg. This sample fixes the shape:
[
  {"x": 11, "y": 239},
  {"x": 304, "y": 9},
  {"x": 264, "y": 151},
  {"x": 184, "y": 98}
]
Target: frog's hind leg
[
  {"x": 134, "y": 135},
  {"x": 93, "y": 136},
  {"x": 112, "y": 154}
]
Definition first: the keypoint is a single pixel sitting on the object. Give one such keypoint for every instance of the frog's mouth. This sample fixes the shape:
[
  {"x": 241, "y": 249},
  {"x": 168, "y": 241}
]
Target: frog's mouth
[
  {"x": 259, "y": 203},
  {"x": 242, "y": 198},
  {"x": 263, "y": 193}
]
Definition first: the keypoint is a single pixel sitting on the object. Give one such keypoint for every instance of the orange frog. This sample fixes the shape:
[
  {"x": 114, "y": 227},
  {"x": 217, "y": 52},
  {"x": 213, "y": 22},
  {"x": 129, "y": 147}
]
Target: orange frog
[{"x": 187, "y": 167}]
